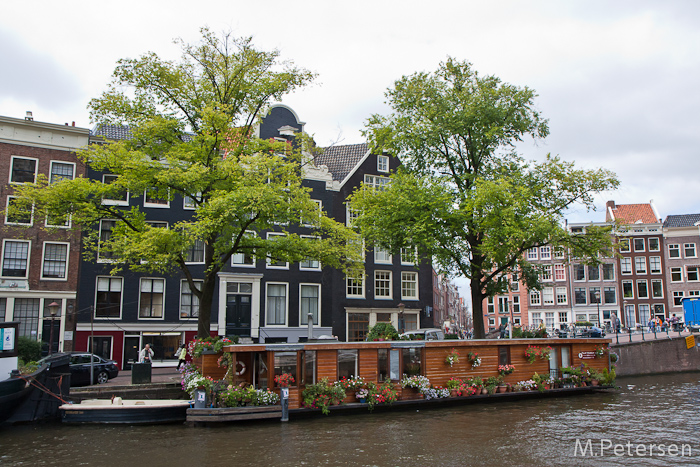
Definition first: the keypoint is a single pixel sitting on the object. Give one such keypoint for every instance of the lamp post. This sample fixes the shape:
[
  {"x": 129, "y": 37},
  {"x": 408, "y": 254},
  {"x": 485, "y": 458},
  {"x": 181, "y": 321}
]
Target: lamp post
[
  {"x": 53, "y": 309},
  {"x": 597, "y": 299},
  {"x": 401, "y": 307},
  {"x": 510, "y": 324}
]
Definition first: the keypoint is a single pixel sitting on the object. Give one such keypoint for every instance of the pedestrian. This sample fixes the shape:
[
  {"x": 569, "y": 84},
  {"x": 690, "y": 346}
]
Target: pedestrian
[
  {"x": 181, "y": 355},
  {"x": 651, "y": 325},
  {"x": 502, "y": 329},
  {"x": 146, "y": 354}
]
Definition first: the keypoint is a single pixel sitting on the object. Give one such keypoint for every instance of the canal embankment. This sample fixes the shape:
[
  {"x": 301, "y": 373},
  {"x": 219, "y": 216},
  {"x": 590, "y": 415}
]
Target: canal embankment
[
  {"x": 665, "y": 354},
  {"x": 165, "y": 384}
]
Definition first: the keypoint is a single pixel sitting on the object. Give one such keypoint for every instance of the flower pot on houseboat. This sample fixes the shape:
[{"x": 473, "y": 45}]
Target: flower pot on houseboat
[
  {"x": 454, "y": 393},
  {"x": 484, "y": 391},
  {"x": 501, "y": 388},
  {"x": 411, "y": 394},
  {"x": 595, "y": 382}
]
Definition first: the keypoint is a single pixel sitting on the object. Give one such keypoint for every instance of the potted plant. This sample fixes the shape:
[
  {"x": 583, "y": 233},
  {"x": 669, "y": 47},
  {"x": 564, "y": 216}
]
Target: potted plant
[
  {"x": 384, "y": 393},
  {"x": 452, "y": 357},
  {"x": 417, "y": 383},
  {"x": 491, "y": 384},
  {"x": 284, "y": 380},
  {"x": 474, "y": 359},
  {"x": 382, "y": 332},
  {"x": 454, "y": 385},
  {"x": 596, "y": 376},
  {"x": 504, "y": 370},
  {"x": 322, "y": 395},
  {"x": 361, "y": 395},
  {"x": 541, "y": 381}
]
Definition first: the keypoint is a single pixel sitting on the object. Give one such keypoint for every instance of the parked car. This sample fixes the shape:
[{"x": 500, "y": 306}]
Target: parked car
[
  {"x": 429, "y": 334},
  {"x": 103, "y": 370}
]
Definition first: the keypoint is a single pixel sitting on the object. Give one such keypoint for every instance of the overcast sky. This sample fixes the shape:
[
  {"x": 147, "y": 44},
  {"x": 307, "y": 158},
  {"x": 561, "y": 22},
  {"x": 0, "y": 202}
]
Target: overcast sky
[{"x": 617, "y": 80}]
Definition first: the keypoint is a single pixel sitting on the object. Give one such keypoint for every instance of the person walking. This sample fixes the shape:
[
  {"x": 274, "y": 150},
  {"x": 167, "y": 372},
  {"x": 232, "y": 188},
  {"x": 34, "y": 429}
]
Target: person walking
[
  {"x": 146, "y": 354},
  {"x": 181, "y": 355}
]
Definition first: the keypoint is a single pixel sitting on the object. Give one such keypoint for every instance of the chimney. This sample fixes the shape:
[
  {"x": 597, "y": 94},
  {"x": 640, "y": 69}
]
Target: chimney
[
  {"x": 73, "y": 124},
  {"x": 28, "y": 117}
]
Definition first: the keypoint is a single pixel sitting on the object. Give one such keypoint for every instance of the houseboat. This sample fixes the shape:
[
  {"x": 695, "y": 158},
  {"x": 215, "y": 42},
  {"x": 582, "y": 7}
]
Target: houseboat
[{"x": 514, "y": 361}]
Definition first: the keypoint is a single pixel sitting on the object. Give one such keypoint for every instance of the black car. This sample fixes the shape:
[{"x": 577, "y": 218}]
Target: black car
[{"x": 103, "y": 370}]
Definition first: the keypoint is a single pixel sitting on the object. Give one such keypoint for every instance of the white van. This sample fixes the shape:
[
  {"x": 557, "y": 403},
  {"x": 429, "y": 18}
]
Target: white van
[{"x": 428, "y": 334}]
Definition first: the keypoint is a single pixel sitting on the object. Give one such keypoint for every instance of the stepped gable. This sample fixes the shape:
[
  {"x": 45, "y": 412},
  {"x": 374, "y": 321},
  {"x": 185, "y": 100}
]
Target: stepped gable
[
  {"x": 340, "y": 160},
  {"x": 682, "y": 220},
  {"x": 633, "y": 214}
]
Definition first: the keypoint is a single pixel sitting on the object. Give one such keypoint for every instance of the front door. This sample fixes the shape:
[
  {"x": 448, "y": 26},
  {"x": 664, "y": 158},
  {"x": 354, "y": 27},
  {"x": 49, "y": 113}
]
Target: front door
[
  {"x": 238, "y": 315},
  {"x": 131, "y": 351},
  {"x": 46, "y": 335}
]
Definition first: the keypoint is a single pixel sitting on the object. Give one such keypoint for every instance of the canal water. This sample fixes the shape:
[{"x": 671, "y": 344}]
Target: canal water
[{"x": 606, "y": 429}]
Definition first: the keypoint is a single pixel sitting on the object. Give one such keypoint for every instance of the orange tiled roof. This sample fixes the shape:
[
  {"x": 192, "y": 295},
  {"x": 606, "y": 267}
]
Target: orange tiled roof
[{"x": 633, "y": 213}]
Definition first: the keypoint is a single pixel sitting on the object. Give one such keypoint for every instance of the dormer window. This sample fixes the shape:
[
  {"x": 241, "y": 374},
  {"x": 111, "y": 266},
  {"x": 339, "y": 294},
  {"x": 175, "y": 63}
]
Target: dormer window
[{"x": 383, "y": 164}]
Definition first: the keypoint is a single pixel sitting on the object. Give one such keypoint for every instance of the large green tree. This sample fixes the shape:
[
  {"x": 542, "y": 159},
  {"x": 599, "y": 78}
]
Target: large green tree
[
  {"x": 464, "y": 195},
  {"x": 192, "y": 125}
]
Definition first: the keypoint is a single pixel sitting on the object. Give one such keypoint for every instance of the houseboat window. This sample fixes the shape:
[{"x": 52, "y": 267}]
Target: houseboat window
[
  {"x": 412, "y": 360},
  {"x": 286, "y": 362},
  {"x": 383, "y": 364},
  {"x": 394, "y": 371},
  {"x": 565, "y": 357},
  {"x": 554, "y": 362},
  {"x": 347, "y": 363},
  {"x": 504, "y": 355},
  {"x": 260, "y": 378},
  {"x": 308, "y": 366},
  {"x": 358, "y": 324}
]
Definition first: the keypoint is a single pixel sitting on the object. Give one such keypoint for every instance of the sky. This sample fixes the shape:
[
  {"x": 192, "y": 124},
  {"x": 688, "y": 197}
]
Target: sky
[{"x": 617, "y": 80}]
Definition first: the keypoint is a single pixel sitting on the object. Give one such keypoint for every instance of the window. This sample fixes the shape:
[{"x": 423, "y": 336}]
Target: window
[
  {"x": 114, "y": 195},
  {"x": 640, "y": 265},
  {"x": 642, "y": 289},
  {"x": 503, "y": 305},
  {"x": 275, "y": 263},
  {"x": 657, "y": 290},
  {"x": 594, "y": 295},
  {"x": 627, "y": 289},
  {"x": 626, "y": 265},
  {"x": 532, "y": 253},
  {"x": 26, "y": 311},
  {"x": 579, "y": 272},
  {"x": 310, "y": 297},
  {"x": 490, "y": 307},
  {"x": 504, "y": 355},
  {"x": 609, "y": 295},
  {"x": 676, "y": 275},
  {"x": 310, "y": 263},
  {"x": 308, "y": 367},
  {"x": 23, "y": 170},
  {"x": 545, "y": 252},
  {"x": 61, "y": 171},
  {"x": 548, "y": 296},
  {"x": 382, "y": 256},
  {"x": 691, "y": 272},
  {"x": 559, "y": 253},
  {"x": 409, "y": 255},
  {"x": 358, "y": 324},
  {"x": 108, "y": 300},
  {"x": 689, "y": 250},
  {"x": 644, "y": 314},
  {"x": 276, "y": 304},
  {"x": 189, "y": 202},
  {"x": 563, "y": 317},
  {"x": 377, "y": 182},
  {"x": 559, "y": 272},
  {"x": 535, "y": 297},
  {"x": 593, "y": 273},
  {"x": 561, "y": 296},
  {"x": 189, "y": 302},
  {"x": 151, "y": 298},
  {"x": 16, "y": 214},
  {"x": 694, "y": 293},
  {"x": 409, "y": 285},
  {"x": 354, "y": 285},
  {"x": 243, "y": 258},
  {"x": 286, "y": 362},
  {"x": 195, "y": 253},
  {"x": 412, "y": 361},
  {"x": 654, "y": 244},
  {"x": 154, "y": 198},
  {"x": 106, "y": 226},
  {"x": 580, "y": 296},
  {"x": 638, "y": 244},
  {"x": 382, "y": 284},
  {"x": 55, "y": 261},
  {"x": 624, "y": 245},
  {"x": 655, "y": 264},
  {"x": 350, "y": 215},
  {"x": 659, "y": 310},
  {"x": 674, "y": 251},
  {"x": 15, "y": 258},
  {"x": 516, "y": 303},
  {"x": 546, "y": 273},
  {"x": 157, "y": 224},
  {"x": 677, "y": 298},
  {"x": 347, "y": 363},
  {"x": 549, "y": 319},
  {"x": 608, "y": 272},
  {"x": 383, "y": 164}
]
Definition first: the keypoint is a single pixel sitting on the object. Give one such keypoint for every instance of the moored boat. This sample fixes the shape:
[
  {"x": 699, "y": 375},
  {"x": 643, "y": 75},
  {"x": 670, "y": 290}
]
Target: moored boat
[{"x": 125, "y": 411}]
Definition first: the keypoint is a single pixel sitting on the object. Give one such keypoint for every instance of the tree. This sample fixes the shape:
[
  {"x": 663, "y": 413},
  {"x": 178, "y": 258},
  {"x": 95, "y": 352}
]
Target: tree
[
  {"x": 192, "y": 124},
  {"x": 464, "y": 195}
]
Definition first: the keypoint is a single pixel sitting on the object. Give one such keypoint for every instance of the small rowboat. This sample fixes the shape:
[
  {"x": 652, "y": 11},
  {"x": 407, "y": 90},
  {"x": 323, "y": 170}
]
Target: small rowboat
[{"x": 119, "y": 411}]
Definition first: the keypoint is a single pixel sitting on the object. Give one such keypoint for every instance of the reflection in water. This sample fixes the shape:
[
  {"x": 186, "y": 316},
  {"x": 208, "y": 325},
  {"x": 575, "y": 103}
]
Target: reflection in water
[{"x": 655, "y": 409}]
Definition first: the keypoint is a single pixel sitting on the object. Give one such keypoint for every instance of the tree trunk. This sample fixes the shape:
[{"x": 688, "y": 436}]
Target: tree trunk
[
  {"x": 205, "y": 304},
  {"x": 477, "y": 308}
]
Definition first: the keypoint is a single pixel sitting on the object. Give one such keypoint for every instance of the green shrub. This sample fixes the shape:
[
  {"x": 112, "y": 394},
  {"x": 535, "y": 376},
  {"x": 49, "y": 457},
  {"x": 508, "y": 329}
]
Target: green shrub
[
  {"x": 382, "y": 331},
  {"x": 29, "y": 350},
  {"x": 451, "y": 336}
]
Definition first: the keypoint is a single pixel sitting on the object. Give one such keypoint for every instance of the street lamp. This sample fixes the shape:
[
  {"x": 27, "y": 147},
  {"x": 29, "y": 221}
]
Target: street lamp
[
  {"x": 401, "y": 307},
  {"x": 53, "y": 309},
  {"x": 597, "y": 298},
  {"x": 510, "y": 325}
]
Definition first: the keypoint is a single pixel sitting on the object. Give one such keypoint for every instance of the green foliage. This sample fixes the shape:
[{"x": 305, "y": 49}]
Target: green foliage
[
  {"x": 28, "y": 349},
  {"x": 382, "y": 331},
  {"x": 322, "y": 395},
  {"x": 451, "y": 336},
  {"x": 28, "y": 368},
  {"x": 466, "y": 199},
  {"x": 192, "y": 124}
]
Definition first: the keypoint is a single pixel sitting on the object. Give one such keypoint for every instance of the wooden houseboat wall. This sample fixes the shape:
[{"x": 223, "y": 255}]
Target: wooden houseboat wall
[{"x": 375, "y": 361}]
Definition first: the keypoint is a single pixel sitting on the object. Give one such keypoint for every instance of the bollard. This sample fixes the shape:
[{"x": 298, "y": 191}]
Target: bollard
[
  {"x": 284, "y": 396},
  {"x": 643, "y": 333}
]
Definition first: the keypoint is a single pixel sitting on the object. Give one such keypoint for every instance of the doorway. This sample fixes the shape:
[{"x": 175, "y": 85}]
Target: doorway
[{"x": 238, "y": 309}]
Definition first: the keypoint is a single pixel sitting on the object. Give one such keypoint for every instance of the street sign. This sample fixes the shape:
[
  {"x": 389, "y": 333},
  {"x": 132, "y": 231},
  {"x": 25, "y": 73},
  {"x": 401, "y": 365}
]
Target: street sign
[
  {"x": 586, "y": 355},
  {"x": 690, "y": 342}
]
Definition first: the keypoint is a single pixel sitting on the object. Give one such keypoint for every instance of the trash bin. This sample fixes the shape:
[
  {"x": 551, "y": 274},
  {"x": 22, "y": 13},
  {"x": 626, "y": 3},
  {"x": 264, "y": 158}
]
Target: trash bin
[{"x": 140, "y": 373}]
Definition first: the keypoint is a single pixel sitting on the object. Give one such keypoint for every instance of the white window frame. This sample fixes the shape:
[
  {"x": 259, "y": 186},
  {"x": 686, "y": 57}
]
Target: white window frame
[
  {"x": 516, "y": 303},
  {"x": 377, "y": 182},
  {"x": 286, "y": 305},
  {"x": 303, "y": 319},
  {"x": 559, "y": 272},
  {"x": 561, "y": 296},
  {"x": 60, "y": 162},
  {"x": 318, "y": 266},
  {"x": 696, "y": 273},
  {"x": 7, "y": 208},
  {"x": 658, "y": 244},
  {"x": 162, "y": 312},
  {"x": 238, "y": 259},
  {"x": 640, "y": 265},
  {"x": 12, "y": 164},
  {"x": 625, "y": 242},
  {"x": 27, "y": 259},
  {"x": 535, "y": 294},
  {"x": 546, "y": 274},
  {"x": 602, "y": 272},
  {"x": 99, "y": 241},
  {"x": 655, "y": 260},
  {"x": 189, "y": 206},
  {"x": 688, "y": 246},
  {"x": 350, "y": 214},
  {"x": 184, "y": 282},
  {"x": 319, "y": 207},
  {"x": 678, "y": 270},
  {"x": 548, "y": 296},
  {"x": 661, "y": 283},
  {"x": 121, "y": 297},
  {"x": 361, "y": 278},
  {"x": 532, "y": 253},
  {"x": 639, "y": 242},
  {"x": 405, "y": 280},
  {"x": 545, "y": 252},
  {"x": 675, "y": 247},
  {"x": 677, "y": 298},
  {"x": 574, "y": 275},
  {"x": 626, "y": 263},
  {"x": 115, "y": 202},
  {"x": 43, "y": 261},
  {"x": 268, "y": 260},
  {"x": 646, "y": 283},
  {"x": 383, "y": 163},
  {"x": 150, "y": 204},
  {"x": 382, "y": 256},
  {"x": 384, "y": 279},
  {"x": 409, "y": 256},
  {"x": 632, "y": 288}
]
